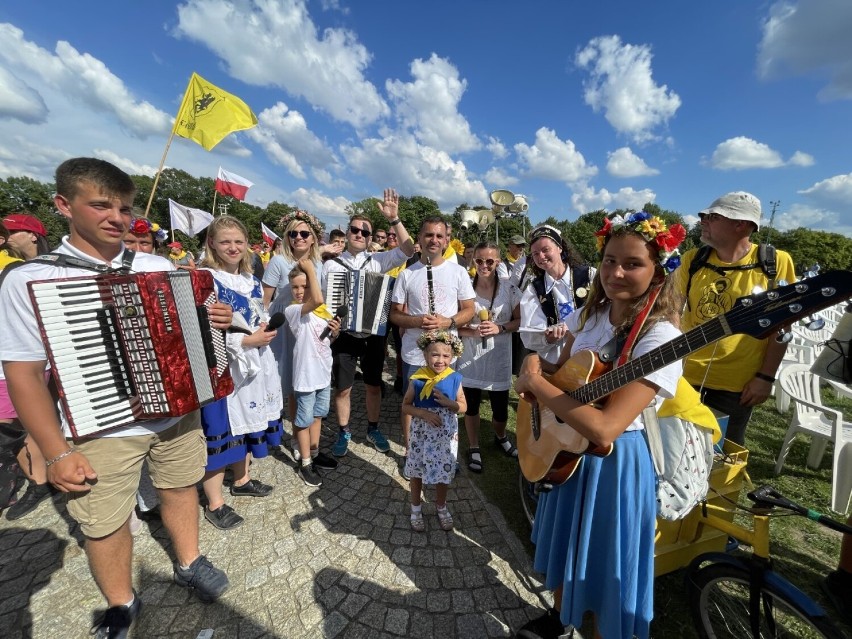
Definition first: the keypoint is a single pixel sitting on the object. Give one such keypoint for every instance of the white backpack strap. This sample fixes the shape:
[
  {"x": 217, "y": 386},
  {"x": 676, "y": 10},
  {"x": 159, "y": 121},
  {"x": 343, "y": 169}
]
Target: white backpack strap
[{"x": 652, "y": 433}]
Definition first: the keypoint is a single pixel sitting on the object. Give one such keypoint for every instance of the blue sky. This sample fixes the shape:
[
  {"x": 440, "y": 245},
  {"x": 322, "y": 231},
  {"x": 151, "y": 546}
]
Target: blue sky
[{"x": 576, "y": 105}]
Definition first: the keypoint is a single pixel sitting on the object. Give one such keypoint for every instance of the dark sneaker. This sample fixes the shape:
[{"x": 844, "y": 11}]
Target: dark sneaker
[
  {"x": 548, "y": 626},
  {"x": 341, "y": 446},
  {"x": 224, "y": 517},
  {"x": 252, "y": 488},
  {"x": 116, "y": 621},
  {"x": 378, "y": 440},
  {"x": 29, "y": 500},
  {"x": 324, "y": 462},
  {"x": 208, "y": 582},
  {"x": 310, "y": 475}
]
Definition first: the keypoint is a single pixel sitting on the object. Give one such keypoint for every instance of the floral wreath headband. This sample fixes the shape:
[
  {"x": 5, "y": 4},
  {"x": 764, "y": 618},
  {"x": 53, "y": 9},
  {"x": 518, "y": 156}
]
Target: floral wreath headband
[
  {"x": 430, "y": 337},
  {"x": 143, "y": 226},
  {"x": 302, "y": 216},
  {"x": 653, "y": 229}
]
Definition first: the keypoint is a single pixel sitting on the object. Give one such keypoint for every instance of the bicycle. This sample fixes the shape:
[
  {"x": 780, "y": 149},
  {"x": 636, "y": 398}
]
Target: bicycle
[{"x": 741, "y": 596}]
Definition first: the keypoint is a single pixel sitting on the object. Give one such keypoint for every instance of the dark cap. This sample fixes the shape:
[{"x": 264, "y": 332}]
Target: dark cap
[{"x": 517, "y": 240}]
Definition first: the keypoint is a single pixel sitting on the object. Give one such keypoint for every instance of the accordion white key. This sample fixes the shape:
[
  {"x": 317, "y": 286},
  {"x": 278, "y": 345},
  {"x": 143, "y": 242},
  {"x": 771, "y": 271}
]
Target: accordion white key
[{"x": 367, "y": 297}]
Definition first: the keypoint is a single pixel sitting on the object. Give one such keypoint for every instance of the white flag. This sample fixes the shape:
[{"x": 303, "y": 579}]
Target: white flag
[
  {"x": 268, "y": 236},
  {"x": 190, "y": 221}
]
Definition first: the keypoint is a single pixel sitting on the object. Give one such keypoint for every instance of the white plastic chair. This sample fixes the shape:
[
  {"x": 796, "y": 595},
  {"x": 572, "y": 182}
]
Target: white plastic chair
[
  {"x": 795, "y": 354},
  {"x": 823, "y": 424}
]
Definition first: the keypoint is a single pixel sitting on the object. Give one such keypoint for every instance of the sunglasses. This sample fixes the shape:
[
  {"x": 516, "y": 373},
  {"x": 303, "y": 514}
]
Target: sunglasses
[
  {"x": 381, "y": 237},
  {"x": 393, "y": 235},
  {"x": 489, "y": 262},
  {"x": 355, "y": 231},
  {"x": 303, "y": 234},
  {"x": 711, "y": 217}
]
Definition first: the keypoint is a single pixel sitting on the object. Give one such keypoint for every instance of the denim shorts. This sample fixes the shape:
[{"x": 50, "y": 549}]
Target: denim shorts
[{"x": 310, "y": 405}]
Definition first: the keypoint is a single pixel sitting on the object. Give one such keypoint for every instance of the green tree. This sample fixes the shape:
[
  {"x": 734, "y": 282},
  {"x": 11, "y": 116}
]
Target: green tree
[
  {"x": 807, "y": 247},
  {"x": 26, "y": 195}
]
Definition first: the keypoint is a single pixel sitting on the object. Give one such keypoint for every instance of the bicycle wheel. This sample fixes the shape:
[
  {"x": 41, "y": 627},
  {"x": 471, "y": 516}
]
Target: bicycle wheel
[
  {"x": 529, "y": 497},
  {"x": 719, "y": 603}
]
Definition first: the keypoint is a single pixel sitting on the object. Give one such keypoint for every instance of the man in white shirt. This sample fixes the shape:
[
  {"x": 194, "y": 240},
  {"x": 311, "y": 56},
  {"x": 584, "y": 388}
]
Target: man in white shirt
[
  {"x": 432, "y": 294},
  {"x": 351, "y": 348},
  {"x": 101, "y": 474}
]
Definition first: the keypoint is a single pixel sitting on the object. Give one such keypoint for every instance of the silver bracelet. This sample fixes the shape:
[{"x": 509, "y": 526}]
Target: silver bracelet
[{"x": 50, "y": 462}]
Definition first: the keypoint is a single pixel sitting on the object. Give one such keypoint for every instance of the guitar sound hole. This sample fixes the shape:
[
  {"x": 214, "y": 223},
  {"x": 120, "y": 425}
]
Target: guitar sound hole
[{"x": 556, "y": 417}]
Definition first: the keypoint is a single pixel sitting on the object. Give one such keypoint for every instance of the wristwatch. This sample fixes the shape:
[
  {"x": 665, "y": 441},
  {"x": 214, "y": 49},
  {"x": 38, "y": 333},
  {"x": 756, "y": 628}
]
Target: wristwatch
[{"x": 452, "y": 324}]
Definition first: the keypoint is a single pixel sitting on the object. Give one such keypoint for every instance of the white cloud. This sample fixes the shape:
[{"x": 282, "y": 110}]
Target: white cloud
[
  {"x": 81, "y": 78},
  {"x": 621, "y": 85},
  {"x": 428, "y": 106},
  {"x": 496, "y": 148},
  {"x": 277, "y": 44},
  {"x": 499, "y": 178},
  {"x": 834, "y": 192},
  {"x": 586, "y": 199},
  {"x": 809, "y": 217},
  {"x": 623, "y": 163},
  {"x": 553, "y": 159},
  {"x": 411, "y": 168},
  {"x": 741, "y": 153},
  {"x": 125, "y": 164},
  {"x": 21, "y": 156},
  {"x": 19, "y": 101},
  {"x": 811, "y": 38},
  {"x": 286, "y": 139},
  {"x": 330, "y": 210}
]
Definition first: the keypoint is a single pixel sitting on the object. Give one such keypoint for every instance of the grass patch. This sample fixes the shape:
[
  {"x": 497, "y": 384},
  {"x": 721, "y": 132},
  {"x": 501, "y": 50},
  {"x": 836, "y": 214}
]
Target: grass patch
[{"x": 804, "y": 551}]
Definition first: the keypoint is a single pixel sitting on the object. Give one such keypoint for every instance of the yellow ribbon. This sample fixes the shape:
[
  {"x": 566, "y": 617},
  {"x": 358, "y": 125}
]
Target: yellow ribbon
[
  {"x": 686, "y": 404},
  {"x": 322, "y": 312},
  {"x": 431, "y": 377}
]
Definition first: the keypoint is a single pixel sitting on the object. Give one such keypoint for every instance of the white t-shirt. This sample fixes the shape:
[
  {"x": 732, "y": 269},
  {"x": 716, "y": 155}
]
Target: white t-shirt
[
  {"x": 451, "y": 285},
  {"x": 22, "y": 340},
  {"x": 311, "y": 356},
  {"x": 598, "y": 332},
  {"x": 489, "y": 366},
  {"x": 533, "y": 320}
]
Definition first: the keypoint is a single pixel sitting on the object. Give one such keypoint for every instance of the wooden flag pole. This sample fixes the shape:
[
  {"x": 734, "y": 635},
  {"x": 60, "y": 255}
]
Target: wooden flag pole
[{"x": 157, "y": 177}]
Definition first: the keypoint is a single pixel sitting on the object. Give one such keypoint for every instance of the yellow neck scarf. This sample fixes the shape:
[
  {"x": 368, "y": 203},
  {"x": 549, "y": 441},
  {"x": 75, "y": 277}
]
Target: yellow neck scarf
[
  {"x": 322, "y": 312},
  {"x": 178, "y": 256},
  {"x": 432, "y": 378}
]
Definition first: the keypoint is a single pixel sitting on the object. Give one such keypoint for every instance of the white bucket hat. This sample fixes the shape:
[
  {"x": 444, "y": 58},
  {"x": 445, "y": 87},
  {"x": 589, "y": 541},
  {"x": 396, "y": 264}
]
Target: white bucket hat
[{"x": 738, "y": 205}]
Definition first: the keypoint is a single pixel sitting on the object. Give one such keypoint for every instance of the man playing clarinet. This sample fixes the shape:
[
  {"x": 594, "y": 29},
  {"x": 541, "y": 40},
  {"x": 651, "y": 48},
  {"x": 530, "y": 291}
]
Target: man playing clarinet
[{"x": 432, "y": 294}]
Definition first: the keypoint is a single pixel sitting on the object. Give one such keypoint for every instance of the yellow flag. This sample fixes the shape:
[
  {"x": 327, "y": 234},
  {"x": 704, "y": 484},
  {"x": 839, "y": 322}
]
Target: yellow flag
[{"x": 207, "y": 113}]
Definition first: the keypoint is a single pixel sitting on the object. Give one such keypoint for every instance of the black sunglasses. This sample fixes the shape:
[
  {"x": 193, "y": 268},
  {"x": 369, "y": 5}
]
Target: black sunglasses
[
  {"x": 355, "y": 231},
  {"x": 303, "y": 234},
  {"x": 391, "y": 234},
  {"x": 489, "y": 262}
]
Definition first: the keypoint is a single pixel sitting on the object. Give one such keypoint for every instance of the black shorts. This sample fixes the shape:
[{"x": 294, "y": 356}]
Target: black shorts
[{"x": 348, "y": 350}]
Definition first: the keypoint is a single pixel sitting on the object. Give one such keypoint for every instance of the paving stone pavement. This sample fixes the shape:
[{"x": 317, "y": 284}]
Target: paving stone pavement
[{"x": 337, "y": 561}]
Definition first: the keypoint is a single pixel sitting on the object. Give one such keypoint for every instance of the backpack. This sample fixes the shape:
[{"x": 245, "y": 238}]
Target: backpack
[{"x": 766, "y": 261}]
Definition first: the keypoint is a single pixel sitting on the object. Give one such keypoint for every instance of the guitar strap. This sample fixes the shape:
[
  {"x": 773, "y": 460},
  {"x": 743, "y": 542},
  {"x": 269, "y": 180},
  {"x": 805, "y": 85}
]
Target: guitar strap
[{"x": 637, "y": 326}]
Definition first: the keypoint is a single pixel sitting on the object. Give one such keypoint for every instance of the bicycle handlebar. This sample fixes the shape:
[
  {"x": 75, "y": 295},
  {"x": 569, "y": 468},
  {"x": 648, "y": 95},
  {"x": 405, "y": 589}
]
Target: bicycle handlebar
[{"x": 767, "y": 497}]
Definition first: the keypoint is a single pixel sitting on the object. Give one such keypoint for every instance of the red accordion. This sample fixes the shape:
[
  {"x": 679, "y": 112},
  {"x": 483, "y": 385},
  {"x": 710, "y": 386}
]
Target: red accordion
[{"x": 127, "y": 348}]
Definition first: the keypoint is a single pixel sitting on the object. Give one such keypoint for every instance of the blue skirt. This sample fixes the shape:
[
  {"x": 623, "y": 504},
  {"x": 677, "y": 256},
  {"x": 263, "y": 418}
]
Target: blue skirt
[
  {"x": 594, "y": 536},
  {"x": 223, "y": 448}
]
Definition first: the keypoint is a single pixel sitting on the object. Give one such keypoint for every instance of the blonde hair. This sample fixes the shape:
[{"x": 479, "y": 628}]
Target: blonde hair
[
  {"x": 287, "y": 250},
  {"x": 667, "y": 307},
  {"x": 211, "y": 258}
]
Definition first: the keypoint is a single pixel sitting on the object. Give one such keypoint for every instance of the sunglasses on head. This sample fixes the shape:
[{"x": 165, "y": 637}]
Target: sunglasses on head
[
  {"x": 355, "y": 231},
  {"x": 489, "y": 262},
  {"x": 303, "y": 234}
]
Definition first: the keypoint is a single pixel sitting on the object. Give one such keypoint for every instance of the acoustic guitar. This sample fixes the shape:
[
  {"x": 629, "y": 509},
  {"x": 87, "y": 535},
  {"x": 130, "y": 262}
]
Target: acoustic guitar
[{"x": 550, "y": 450}]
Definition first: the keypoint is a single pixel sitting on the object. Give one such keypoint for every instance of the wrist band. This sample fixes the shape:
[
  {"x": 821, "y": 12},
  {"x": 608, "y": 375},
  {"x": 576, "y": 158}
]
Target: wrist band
[
  {"x": 50, "y": 462},
  {"x": 765, "y": 378},
  {"x": 394, "y": 222}
]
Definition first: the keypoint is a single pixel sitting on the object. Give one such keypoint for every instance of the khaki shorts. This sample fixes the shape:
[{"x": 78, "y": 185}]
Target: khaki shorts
[{"x": 176, "y": 459}]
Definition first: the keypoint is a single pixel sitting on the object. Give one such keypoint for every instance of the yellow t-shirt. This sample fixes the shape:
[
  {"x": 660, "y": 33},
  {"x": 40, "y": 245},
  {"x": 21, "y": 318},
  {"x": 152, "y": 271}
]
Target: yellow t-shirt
[
  {"x": 6, "y": 259},
  {"x": 734, "y": 360}
]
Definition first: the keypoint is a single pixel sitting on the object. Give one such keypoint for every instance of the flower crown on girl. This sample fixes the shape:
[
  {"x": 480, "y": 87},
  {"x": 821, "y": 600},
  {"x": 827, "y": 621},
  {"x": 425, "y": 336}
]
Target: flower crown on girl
[
  {"x": 302, "y": 216},
  {"x": 653, "y": 229},
  {"x": 430, "y": 337},
  {"x": 143, "y": 226}
]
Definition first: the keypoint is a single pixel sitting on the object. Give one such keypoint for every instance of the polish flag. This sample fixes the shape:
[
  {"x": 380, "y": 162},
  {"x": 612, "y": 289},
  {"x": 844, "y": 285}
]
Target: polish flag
[
  {"x": 232, "y": 184},
  {"x": 268, "y": 236}
]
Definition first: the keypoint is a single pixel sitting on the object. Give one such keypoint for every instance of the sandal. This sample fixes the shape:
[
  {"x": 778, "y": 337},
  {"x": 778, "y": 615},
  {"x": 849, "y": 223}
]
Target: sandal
[
  {"x": 506, "y": 446},
  {"x": 474, "y": 460},
  {"x": 445, "y": 518},
  {"x": 417, "y": 523}
]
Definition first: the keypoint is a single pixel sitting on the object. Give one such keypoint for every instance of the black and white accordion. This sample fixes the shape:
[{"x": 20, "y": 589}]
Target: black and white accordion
[
  {"x": 367, "y": 297},
  {"x": 127, "y": 348}
]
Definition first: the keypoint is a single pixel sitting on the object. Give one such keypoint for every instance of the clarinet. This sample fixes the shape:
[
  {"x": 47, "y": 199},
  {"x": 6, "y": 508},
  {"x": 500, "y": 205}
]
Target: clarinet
[{"x": 430, "y": 286}]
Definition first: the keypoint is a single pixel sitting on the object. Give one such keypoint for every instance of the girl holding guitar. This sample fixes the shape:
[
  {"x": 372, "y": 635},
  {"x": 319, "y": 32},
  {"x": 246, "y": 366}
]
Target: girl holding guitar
[{"x": 594, "y": 533}]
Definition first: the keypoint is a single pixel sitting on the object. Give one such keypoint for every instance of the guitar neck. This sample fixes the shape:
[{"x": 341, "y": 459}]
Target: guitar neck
[{"x": 653, "y": 360}]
